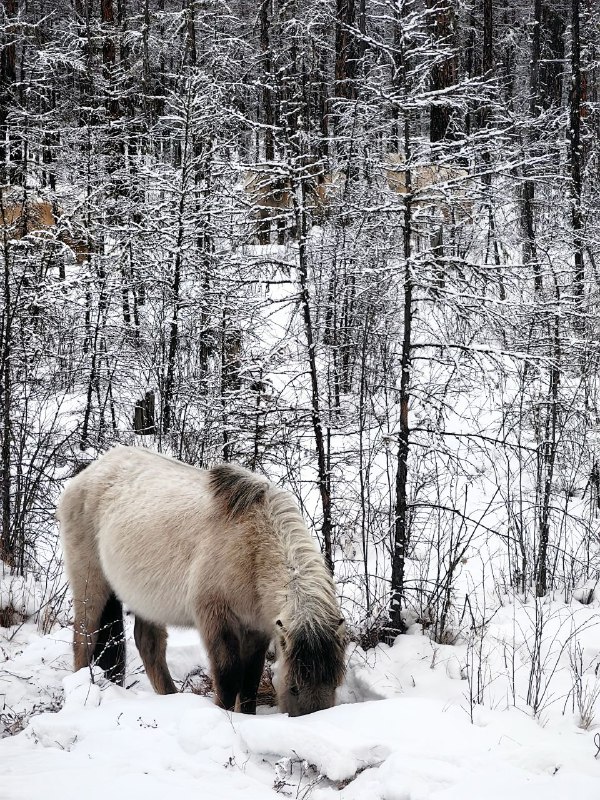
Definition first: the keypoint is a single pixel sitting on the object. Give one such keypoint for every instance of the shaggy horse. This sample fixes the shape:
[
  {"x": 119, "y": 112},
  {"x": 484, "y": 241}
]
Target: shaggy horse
[{"x": 220, "y": 549}]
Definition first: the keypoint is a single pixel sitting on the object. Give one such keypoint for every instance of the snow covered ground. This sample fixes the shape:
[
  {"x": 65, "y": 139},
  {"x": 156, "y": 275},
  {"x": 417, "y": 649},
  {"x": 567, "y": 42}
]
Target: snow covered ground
[{"x": 405, "y": 727}]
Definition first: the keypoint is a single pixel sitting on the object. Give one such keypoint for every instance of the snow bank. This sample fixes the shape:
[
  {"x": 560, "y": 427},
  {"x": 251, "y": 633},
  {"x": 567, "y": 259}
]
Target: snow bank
[{"x": 406, "y": 728}]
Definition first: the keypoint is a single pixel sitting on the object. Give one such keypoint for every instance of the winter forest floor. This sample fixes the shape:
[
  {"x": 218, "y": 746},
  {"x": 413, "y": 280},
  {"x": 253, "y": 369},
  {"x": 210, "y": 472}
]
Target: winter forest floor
[{"x": 408, "y": 724}]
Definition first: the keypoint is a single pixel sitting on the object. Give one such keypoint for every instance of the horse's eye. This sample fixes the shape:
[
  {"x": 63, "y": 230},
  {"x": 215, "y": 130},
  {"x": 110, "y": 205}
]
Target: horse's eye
[{"x": 294, "y": 691}]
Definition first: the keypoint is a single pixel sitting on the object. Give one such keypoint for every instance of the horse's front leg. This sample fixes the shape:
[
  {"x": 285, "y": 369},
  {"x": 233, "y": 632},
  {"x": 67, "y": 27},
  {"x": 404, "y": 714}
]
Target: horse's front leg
[
  {"x": 220, "y": 632},
  {"x": 254, "y": 650}
]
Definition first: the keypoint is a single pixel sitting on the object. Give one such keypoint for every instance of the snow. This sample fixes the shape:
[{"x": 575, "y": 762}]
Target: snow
[{"x": 405, "y": 727}]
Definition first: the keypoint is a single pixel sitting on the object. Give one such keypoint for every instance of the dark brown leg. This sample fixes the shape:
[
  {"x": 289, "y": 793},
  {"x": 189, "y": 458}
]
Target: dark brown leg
[
  {"x": 90, "y": 594},
  {"x": 227, "y": 667},
  {"x": 151, "y": 641},
  {"x": 221, "y": 634},
  {"x": 110, "y": 649},
  {"x": 254, "y": 650}
]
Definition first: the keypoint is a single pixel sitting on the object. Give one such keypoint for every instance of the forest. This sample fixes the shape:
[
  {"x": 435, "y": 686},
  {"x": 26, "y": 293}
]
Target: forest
[{"x": 351, "y": 246}]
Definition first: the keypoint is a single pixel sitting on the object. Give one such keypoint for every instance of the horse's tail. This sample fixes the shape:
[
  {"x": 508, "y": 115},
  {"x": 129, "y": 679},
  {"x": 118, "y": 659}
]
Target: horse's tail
[
  {"x": 237, "y": 488},
  {"x": 109, "y": 652}
]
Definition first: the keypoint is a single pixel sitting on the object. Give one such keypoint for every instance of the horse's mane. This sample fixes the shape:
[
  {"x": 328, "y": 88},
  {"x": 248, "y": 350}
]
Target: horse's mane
[
  {"x": 237, "y": 488},
  {"x": 316, "y": 650}
]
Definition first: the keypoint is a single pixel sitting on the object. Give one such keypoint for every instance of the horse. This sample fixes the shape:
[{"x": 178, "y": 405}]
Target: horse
[
  {"x": 271, "y": 188},
  {"x": 220, "y": 549},
  {"x": 22, "y": 216},
  {"x": 447, "y": 188}
]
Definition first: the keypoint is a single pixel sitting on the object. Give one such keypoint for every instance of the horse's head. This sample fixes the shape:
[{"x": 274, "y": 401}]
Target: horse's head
[{"x": 312, "y": 666}]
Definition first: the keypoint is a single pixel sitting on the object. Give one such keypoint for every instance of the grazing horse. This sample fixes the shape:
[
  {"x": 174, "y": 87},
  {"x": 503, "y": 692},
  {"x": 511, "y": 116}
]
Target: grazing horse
[
  {"x": 271, "y": 187},
  {"x": 220, "y": 549}
]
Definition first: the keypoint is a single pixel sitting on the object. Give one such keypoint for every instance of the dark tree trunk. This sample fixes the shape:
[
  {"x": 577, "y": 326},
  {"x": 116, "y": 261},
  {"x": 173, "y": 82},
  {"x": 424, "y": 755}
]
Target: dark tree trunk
[
  {"x": 322, "y": 465},
  {"x": 488, "y": 37},
  {"x": 266, "y": 93},
  {"x": 552, "y": 61},
  {"x": 109, "y": 56},
  {"x": 552, "y": 54},
  {"x": 548, "y": 456},
  {"x": 345, "y": 50},
  {"x": 575, "y": 151},
  {"x": 530, "y": 248},
  {"x": 144, "y": 423},
  {"x": 444, "y": 71},
  {"x": 8, "y": 78},
  {"x": 191, "y": 46},
  {"x": 401, "y": 527},
  {"x": 534, "y": 76},
  {"x": 147, "y": 103},
  {"x": 6, "y": 543},
  {"x": 401, "y": 515},
  {"x": 169, "y": 383}
]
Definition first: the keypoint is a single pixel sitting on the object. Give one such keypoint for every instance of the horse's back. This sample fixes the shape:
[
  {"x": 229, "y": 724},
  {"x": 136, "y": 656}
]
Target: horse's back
[
  {"x": 124, "y": 478},
  {"x": 142, "y": 516},
  {"x": 170, "y": 538}
]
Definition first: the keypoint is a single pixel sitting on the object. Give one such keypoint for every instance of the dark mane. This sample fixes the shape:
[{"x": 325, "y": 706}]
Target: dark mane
[
  {"x": 238, "y": 489},
  {"x": 316, "y": 656}
]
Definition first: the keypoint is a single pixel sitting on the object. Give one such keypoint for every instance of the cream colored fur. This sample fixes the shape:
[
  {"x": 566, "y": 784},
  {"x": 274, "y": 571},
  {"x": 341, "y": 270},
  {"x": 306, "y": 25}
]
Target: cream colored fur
[
  {"x": 448, "y": 188},
  {"x": 307, "y": 592},
  {"x": 24, "y": 216}
]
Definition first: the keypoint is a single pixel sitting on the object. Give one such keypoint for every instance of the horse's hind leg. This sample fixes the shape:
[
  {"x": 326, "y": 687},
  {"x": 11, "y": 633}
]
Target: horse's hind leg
[
  {"x": 109, "y": 652},
  {"x": 254, "y": 650},
  {"x": 151, "y": 641},
  {"x": 98, "y": 628}
]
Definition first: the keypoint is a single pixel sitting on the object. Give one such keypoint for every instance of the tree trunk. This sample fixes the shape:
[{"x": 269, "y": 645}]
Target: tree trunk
[
  {"x": 323, "y": 472},
  {"x": 8, "y": 77},
  {"x": 444, "y": 71},
  {"x": 109, "y": 56},
  {"x": 552, "y": 56},
  {"x": 266, "y": 98},
  {"x": 488, "y": 37},
  {"x": 187, "y": 172},
  {"x": 529, "y": 245},
  {"x": 6, "y": 544},
  {"x": 575, "y": 152},
  {"x": 401, "y": 524},
  {"x": 401, "y": 515},
  {"x": 345, "y": 47},
  {"x": 190, "y": 45},
  {"x": 548, "y": 456},
  {"x": 169, "y": 383}
]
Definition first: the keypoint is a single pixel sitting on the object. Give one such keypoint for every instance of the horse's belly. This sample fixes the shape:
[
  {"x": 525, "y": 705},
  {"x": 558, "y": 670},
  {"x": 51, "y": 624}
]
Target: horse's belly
[
  {"x": 152, "y": 586},
  {"x": 160, "y": 603}
]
